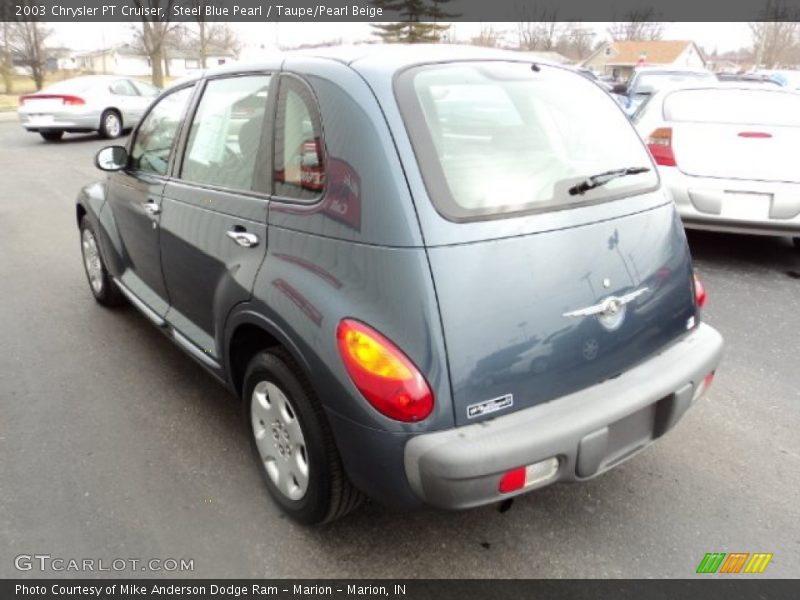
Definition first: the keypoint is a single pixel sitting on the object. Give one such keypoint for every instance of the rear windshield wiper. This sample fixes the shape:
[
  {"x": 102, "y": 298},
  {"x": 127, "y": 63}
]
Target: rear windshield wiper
[{"x": 596, "y": 181}]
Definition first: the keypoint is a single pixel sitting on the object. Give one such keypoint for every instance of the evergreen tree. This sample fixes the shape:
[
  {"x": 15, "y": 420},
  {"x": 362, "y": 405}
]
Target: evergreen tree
[{"x": 420, "y": 21}]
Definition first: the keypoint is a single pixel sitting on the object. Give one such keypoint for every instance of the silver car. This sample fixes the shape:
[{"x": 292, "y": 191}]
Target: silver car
[
  {"x": 102, "y": 103},
  {"x": 727, "y": 153}
]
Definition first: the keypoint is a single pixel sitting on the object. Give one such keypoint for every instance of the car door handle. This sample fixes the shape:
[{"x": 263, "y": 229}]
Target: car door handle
[
  {"x": 151, "y": 208},
  {"x": 247, "y": 240}
]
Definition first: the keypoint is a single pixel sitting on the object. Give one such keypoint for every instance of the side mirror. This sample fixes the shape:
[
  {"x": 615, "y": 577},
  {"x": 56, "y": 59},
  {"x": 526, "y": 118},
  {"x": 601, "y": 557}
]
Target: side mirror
[
  {"x": 620, "y": 89},
  {"x": 111, "y": 158}
]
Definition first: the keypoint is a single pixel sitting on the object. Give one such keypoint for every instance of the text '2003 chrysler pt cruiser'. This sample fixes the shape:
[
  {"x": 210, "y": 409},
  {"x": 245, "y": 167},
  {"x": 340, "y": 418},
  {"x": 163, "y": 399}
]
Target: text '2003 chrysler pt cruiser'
[{"x": 441, "y": 276}]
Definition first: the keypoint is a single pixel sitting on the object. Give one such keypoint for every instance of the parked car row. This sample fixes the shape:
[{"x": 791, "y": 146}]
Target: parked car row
[
  {"x": 432, "y": 274},
  {"x": 723, "y": 145},
  {"x": 725, "y": 151}
]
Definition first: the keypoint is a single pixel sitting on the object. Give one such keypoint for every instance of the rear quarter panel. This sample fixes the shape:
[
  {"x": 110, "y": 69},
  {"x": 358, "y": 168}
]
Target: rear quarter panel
[{"x": 356, "y": 253}]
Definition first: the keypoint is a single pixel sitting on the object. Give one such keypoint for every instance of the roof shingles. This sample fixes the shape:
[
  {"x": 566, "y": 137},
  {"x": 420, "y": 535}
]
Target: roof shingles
[{"x": 659, "y": 52}]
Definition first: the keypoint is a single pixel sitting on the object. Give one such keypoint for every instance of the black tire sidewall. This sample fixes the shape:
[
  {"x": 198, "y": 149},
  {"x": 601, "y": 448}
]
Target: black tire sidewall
[{"x": 313, "y": 507}]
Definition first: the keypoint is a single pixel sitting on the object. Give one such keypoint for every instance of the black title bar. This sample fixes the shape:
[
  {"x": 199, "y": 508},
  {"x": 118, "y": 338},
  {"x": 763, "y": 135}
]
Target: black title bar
[
  {"x": 735, "y": 588},
  {"x": 378, "y": 11}
]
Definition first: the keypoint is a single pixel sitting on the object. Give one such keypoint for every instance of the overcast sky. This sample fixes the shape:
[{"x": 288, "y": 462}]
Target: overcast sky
[{"x": 91, "y": 36}]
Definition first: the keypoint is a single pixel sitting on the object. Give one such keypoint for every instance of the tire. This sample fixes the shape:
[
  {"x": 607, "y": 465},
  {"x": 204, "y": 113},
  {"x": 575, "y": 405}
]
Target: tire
[
  {"x": 288, "y": 429},
  {"x": 110, "y": 124},
  {"x": 52, "y": 136},
  {"x": 103, "y": 289},
  {"x": 796, "y": 242}
]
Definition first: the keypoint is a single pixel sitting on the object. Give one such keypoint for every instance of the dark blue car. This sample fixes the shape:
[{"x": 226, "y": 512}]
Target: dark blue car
[{"x": 433, "y": 275}]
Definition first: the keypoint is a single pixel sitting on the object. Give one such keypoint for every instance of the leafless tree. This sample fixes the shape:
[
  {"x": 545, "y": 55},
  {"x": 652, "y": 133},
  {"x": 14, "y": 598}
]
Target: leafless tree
[
  {"x": 640, "y": 26},
  {"x": 29, "y": 42},
  {"x": 153, "y": 35},
  {"x": 6, "y": 58},
  {"x": 6, "y": 55},
  {"x": 775, "y": 39},
  {"x": 537, "y": 28},
  {"x": 213, "y": 35},
  {"x": 223, "y": 37},
  {"x": 576, "y": 42},
  {"x": 488, "y": 37}
]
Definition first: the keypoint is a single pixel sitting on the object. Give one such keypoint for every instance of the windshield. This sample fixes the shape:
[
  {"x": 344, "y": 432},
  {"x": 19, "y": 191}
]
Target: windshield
[
  {"x": 740, "y": 107},
  {"x": 648, "y": 83},
  {"x": 494, "y": 138}
]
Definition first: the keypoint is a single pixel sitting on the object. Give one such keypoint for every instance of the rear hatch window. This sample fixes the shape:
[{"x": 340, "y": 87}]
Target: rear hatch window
[{"x": 496, "y": 139}]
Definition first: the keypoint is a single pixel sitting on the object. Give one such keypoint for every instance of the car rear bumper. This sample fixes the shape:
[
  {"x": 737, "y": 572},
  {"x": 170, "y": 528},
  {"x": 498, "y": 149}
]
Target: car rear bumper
[
  {"x": 735, "y": 205},
  {"x": 87, "y": 121},
  {"x": 588, "y": 432}
]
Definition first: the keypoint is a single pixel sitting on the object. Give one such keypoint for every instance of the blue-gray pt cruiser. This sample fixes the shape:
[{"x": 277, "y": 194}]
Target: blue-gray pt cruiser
[{"x": 433, "y": 275}]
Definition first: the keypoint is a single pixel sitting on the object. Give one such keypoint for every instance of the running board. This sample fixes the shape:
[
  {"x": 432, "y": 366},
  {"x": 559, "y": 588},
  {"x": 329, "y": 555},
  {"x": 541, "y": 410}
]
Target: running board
[
  {"x": 194, "y": 351},
  {"x": 184, "y": 342},
  {"x": 143, "y": 308}
]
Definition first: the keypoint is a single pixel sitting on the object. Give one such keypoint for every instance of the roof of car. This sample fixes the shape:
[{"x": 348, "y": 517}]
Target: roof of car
[
  {"x": 390, "y": 57},
  {"x": 670, "y": 69},
  {"x": 722, "y": 85}
]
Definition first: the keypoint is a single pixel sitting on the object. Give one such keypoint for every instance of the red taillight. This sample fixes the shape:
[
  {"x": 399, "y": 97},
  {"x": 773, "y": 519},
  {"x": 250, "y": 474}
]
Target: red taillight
[
  {"x": 383, "y": 374},
  {"x": 755, "y": 134},
  {"x": 708, "y": 380},
  {"x": 512, "y": 481},
  {"x": 703, "y": 388},
  {"x": 73, "y": 100},
  {"x": 65, "y": 99},
  {"x": 660, "y": 145},
  {"x": 699, "y": 292}
]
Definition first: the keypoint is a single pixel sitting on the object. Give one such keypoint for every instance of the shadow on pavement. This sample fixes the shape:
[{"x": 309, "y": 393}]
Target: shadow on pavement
[{"x": 727, "y": 249}]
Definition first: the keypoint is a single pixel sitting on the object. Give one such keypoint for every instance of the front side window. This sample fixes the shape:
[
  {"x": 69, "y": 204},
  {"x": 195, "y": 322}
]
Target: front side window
[
  {"x": 226, "y": 133},
  {"x": 495, "y": 138},
  {"x": 156, "y": 135},
  {"x": 299, "y": 169}
]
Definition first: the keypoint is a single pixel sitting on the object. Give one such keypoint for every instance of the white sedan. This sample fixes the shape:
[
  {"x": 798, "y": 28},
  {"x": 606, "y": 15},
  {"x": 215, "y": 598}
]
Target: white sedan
[
  {"x": 102, "y": 103},
  {"x": 728, "y": 154}
]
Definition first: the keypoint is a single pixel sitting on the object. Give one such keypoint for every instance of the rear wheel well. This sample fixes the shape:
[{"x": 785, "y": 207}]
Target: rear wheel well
[
  {"x": 117, "y": 111},
  {"x": 247, "y": 341}
]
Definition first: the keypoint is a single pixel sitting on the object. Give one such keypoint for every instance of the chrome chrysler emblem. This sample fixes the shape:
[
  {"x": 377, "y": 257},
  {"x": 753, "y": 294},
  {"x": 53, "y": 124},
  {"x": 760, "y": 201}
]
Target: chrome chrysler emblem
[{"x": 610, "y": 311}]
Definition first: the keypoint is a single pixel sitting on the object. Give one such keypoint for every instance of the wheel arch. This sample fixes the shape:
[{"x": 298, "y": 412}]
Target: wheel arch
[
  {"x": 248, "y": 332},
  {"x": 115, "y": 110}
]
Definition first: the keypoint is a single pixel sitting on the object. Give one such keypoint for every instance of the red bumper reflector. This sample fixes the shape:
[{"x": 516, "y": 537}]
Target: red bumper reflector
[{"x": 512, "y": 481}]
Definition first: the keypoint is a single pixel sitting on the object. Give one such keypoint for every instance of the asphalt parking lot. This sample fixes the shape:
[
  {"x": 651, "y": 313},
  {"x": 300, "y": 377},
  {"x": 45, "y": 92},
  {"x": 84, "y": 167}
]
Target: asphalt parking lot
[{"x": 114, "y": 444}]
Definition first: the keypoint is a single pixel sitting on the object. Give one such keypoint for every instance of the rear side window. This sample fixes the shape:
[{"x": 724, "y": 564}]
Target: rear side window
[
  {"x": 123, "y": 87},
  {"x": 299, "y": 169},
  {"x": 734, "y": 106},
  {"x": 225, "y": 137},
  {"x": 145, "y": 89},
  {"x": 501, "y": 138},
  {"x": 156, "y": 135}
]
